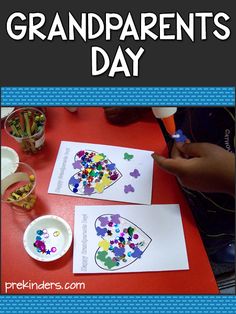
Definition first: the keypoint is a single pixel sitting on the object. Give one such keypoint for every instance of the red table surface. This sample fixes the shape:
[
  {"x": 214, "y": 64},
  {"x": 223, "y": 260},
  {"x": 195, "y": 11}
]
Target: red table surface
[{"x": 90, "y": 126}]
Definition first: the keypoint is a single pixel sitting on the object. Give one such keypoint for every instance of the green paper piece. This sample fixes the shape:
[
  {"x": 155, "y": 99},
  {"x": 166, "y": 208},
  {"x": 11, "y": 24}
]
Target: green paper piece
[
  {"x": 128, "y": 156},
  {"x": 102, "y": 256},
  {"x": 109, "y": 263},
  {"x": 104, "y": 156}
]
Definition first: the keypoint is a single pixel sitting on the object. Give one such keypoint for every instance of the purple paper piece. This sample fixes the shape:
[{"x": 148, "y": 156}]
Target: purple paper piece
[
  {"x": 88, "y": 190},
  {"x": 114, "y": 176},
  {"x": 179, "y": 136},
  {"x": 104, "y": 221},
  {"x": 137, "y": 253},
  {"x": 111, "y": 166},
  {"x": 80, "y": 153},
  {"x": 135, "y": 173},
  {"x": 115, "y": 219},
  {"x": 73, "y": 181},
  {"x": 77, "y": 164},
  {"x": 101, "y": 231},
  {"x": 128, "y": 188},
  {"x": 119, "y": 251}
]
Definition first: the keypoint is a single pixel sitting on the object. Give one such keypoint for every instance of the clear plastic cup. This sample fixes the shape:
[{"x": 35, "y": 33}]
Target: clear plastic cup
[
  {"x": 18, "y": 188},
  {"x": 27, "y": 127}
]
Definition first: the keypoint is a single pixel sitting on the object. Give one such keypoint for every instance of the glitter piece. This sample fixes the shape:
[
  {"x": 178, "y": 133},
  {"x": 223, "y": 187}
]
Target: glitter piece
[{"x": 56, "y": 233}]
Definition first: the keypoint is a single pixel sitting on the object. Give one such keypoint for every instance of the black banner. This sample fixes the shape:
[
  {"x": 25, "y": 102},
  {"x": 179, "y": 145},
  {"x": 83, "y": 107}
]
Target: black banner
[{"x": 117, "y": 43}]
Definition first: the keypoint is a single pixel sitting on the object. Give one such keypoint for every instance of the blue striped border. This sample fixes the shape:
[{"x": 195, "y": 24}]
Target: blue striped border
[
  {"x": 118, "y": 304},
  {"x": 118, "y": 96}
]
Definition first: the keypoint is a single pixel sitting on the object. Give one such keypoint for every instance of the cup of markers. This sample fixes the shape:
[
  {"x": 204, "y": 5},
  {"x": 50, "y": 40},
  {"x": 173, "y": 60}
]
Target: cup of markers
[{"x": 27, "y": 127}]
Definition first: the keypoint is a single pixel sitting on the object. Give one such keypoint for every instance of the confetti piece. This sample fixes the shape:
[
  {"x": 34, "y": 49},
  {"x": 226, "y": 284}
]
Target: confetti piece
[
  {"x": 111, "y": 166},
  {"x": 115, "y": 176},
  {"x": 97, "y": 158},
  {"x": 53, "y": 249},
  {"x": 128, "y": 188},
  {"x": 137, "y": 253},
  {"x": 56, "y": 233},
  {"x": 104, "y": 245},
  {"x": 80, "y": 153},
  {"x": 115, "y": 218},
  {"x": 135, "y": 173},
  {"x": 101, "y": 231},
  {"x": 106, "y": 181},
  {"x": 128, "y": 156},
  {"x": 99, "y": 187},
  {"x": 88, "y": 190},
  {"x": 77, "y": 164},
  {"x": 179, "y": 136},
  {"x": 102, "y": 256},
  {"x": 109, "y": 263},
  {"x": 119, "y": 251},
  {"x": 104, "y": 221},
  {"x": 73, "y": 181}
]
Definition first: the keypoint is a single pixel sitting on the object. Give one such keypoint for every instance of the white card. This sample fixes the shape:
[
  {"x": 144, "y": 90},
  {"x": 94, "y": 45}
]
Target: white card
[
  {"x": 103, "y": 172},
  {"x": 128, "y": 238}
]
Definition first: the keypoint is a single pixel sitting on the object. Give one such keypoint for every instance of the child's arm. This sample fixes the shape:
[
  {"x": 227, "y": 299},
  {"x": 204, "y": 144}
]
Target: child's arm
[{"x": 201, "y": 166}]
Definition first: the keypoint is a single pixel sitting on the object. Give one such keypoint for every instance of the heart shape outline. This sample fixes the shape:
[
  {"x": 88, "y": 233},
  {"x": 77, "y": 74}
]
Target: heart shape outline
[
  {"x": 146, "y": 236},
  {"x": 76, "y": 176}
]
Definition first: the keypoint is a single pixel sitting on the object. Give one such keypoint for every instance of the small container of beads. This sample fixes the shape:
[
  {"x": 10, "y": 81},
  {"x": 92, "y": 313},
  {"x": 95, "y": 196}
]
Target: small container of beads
[
  {"x": 18, "y": 187},
  {"x": 27, "y": 127},
  {"x": 47, "y": 238}
]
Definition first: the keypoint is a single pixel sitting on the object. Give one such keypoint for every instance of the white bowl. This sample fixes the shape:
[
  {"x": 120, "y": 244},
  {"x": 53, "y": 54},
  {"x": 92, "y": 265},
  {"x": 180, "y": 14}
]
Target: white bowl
[
  {"x": 9, "y": 159},
  {"x": 47, "y": 238}
]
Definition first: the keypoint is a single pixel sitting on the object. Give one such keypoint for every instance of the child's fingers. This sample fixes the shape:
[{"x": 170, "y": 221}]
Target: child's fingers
[
  {"x": 175, "y": 152},
  {"x": 192, "y": 149},
  {"x": 173, "y": 166}
]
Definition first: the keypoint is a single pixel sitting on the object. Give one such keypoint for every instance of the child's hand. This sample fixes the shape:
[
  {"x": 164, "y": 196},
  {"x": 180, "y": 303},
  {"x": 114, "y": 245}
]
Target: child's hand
[{"x": 201, "y": 166}]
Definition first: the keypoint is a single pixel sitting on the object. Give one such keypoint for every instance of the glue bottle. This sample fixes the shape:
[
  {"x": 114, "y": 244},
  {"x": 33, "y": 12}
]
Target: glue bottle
[{"x": 166, "y": 114}]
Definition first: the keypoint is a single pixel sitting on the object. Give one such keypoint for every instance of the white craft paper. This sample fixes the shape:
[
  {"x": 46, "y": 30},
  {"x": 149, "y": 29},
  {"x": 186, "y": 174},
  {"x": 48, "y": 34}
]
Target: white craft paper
[
  {"x": 142, "y": 161},
  {"x": 162, "y": 224}
]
